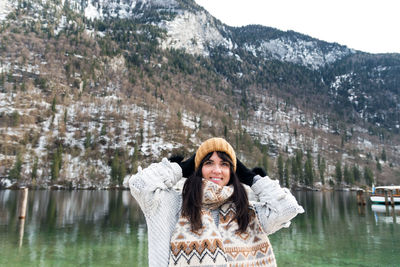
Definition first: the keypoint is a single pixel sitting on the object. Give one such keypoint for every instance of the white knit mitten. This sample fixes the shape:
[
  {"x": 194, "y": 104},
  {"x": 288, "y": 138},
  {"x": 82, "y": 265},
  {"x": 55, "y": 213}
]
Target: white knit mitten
[{"x": 276, "y": 207}]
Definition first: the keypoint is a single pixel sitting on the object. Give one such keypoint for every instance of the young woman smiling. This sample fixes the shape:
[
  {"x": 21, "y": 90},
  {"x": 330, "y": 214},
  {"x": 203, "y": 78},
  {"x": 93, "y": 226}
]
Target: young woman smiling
[
  {"x": 216, "y": 169},
  {"x": 211, "y": 221}
]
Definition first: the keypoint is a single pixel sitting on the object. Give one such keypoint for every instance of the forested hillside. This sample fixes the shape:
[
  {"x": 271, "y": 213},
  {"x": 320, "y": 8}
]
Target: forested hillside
[{"x": 90, "y": 90}]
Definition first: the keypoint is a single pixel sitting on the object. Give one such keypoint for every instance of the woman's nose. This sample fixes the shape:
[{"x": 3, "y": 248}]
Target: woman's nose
[{"x": 217, "y": 169}]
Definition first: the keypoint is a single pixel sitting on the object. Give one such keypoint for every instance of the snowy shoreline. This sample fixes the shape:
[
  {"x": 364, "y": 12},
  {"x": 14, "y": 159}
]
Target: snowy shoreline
[{"x": 6, "y": 184}]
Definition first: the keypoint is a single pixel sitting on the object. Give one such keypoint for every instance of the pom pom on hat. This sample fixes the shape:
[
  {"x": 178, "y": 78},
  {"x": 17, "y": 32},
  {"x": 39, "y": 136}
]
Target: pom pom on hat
[{"x": 214, "y": 144}]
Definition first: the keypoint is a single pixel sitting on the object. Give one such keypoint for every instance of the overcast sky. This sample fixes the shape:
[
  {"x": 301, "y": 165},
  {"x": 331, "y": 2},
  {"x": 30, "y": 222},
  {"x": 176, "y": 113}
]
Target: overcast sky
[{"x": 367, "y": 25}]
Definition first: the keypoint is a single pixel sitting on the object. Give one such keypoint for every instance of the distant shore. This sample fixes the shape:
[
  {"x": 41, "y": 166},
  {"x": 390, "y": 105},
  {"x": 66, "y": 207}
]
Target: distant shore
[{"x": 6, "y": 184}]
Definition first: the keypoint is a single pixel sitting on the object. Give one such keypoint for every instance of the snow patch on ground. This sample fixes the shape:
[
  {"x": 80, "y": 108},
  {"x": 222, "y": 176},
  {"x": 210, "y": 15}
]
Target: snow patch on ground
[
  {"x": 5, "y": 8},
  {"x": 91, "y": 12},
  {"x": 5, "y": 183},
  {"x": 190, "y": 122},
  {"x": 61, "y": 25},
  {"x": 4, "y": 66}
]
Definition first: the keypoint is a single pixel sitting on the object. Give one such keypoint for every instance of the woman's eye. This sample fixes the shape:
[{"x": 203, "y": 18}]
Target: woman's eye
[{"x": 225, "y": 164}]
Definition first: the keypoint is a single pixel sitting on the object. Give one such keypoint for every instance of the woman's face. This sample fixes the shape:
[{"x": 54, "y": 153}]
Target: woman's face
[{"x": 216, "y": 170}]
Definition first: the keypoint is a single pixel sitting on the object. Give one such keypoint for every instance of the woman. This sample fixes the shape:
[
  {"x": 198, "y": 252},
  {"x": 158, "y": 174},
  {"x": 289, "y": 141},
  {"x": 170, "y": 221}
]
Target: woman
[{"x": 211, "y": 222}]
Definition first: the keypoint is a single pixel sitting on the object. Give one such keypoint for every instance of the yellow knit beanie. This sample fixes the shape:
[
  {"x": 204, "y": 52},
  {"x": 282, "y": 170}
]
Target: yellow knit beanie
[{"x": 211, "y": 145}]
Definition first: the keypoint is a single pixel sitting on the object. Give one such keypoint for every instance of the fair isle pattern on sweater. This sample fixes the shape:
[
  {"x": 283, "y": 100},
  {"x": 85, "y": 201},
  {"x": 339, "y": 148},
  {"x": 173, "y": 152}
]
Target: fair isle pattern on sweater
[
  {"x": 251, "y": 248},
  {"x": 200, "y": 248},
  {"x": 220, "y": 245}
]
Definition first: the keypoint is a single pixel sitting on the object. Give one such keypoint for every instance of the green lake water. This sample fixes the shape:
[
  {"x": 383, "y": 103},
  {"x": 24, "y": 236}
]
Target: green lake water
[{"x": 107, "y": 228}]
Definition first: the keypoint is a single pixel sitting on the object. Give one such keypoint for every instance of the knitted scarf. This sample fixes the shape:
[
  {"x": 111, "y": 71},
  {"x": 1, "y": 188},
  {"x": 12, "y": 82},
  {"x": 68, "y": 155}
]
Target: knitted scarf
[{"x": 220, "y": 245}]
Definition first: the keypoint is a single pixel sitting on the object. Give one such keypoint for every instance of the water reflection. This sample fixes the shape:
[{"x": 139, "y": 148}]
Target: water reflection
[
  {"x": 106, "y": 228},
  {"x": 336, "y": 231},
  {"x": 57, "y": 209},
  {"x": 386, "y": 213},
  {"x": 91, "y": 228}
]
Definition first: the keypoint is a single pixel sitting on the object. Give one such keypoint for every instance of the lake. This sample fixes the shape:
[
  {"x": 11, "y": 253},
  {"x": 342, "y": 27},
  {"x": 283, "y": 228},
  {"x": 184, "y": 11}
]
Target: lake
[{"x": 107, "y": 228}]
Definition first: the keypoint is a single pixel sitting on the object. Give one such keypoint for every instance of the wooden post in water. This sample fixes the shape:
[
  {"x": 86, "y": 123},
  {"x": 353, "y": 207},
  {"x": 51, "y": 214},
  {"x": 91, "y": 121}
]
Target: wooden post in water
[
  {"x": 23, "y": 202},
  {"x": 386, "y": 198},
  {"x": 360, "y": 197},
  {"x": 22, "y": 213},
  {"x": 21, "y": 231},
  {"x": 391, "y": 198}
]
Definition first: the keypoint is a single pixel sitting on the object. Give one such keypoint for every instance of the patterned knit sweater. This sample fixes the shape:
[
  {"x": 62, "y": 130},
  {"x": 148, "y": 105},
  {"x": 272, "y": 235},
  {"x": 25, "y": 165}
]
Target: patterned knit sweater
[{"x": 153, "y": 189}]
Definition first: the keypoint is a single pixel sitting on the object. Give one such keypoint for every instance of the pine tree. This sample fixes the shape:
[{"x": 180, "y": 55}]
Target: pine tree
[
  {"x": 338, "y": 172},
  {"x": 348, "y": 175},
  {"x": 15, "y": 119},
  {"x": 378, "y": 166},
  {"x": 294, "y": 168},
  {"x": 118, "y": 169},
  {"x": 56, "y": 163},
  {"x": 319, "y": 160},
  {"x": 287, "y": 173},
  {"x": 134, "y": 160},
  {"x": 2, "y": 79},
  {"x": 368, "y": 176},
  {"x": 356, "y": 173},
  {"x": 53, "y": 104},
  {"x": 280, "y": 169},
  {"x": 321, "y": 169},
  {"x": 264, "y": 159},
  {"x": 141, "y": 135},
  {"x": 115, "y": 168},
  {"x": 23, "y": 87},
  {"x": 15, "y": 172},
  {"x": 88, "y": 140},
  {"x": 308, "y": 170},
  {"x": 103, "y": 130},
  {"x": 65, "y": 116},
  {"x": 122, "y": 172},
  {"x": 383, "y": 155},
  {"x": 299, "y": 164},
  {"x": 34, "y": 169}
]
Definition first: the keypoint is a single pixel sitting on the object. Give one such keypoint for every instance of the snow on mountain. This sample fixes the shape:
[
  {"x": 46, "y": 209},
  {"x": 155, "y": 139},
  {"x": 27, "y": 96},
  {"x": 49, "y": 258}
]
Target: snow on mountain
[
  {"x": 105, "y": 8},
  {"x": 303, "y": 52},
  {"x": 264, "y": 125},
  {"x": 197, "y": 31},
  {"x": 118, "y": 9},
  {"x": 339, "y": 81},
  {"x": 192, "y": 32},
  {"x": 348, "y": 86}
]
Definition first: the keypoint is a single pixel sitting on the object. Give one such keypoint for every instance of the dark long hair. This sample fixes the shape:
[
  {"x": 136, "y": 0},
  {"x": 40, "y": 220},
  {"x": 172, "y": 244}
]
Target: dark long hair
[{"x": 192, "y": 195}]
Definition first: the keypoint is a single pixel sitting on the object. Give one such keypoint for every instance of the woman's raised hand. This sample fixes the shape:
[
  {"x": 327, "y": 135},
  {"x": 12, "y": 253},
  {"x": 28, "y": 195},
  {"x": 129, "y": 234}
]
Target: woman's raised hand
[
  {"x": 246, "y": 175},
  {"x": 187, "y": 165}
]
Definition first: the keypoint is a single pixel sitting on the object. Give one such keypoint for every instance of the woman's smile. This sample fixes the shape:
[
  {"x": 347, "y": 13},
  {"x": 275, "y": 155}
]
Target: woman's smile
[{"x": 215, "y": 179}]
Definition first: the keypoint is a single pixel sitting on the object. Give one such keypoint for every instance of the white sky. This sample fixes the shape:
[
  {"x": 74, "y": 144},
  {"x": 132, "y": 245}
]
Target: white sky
[{"x": 367, "y": 25}]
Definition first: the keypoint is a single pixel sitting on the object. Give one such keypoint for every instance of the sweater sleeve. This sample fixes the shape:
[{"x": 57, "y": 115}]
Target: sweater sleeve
[
  {"x": 149, "y": 185},
  {"x": 276, "y": 205}
]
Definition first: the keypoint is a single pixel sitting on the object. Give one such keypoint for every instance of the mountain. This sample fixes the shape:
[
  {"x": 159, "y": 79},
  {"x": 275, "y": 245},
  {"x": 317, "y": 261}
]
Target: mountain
[{"x": 89, "y": 90}]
